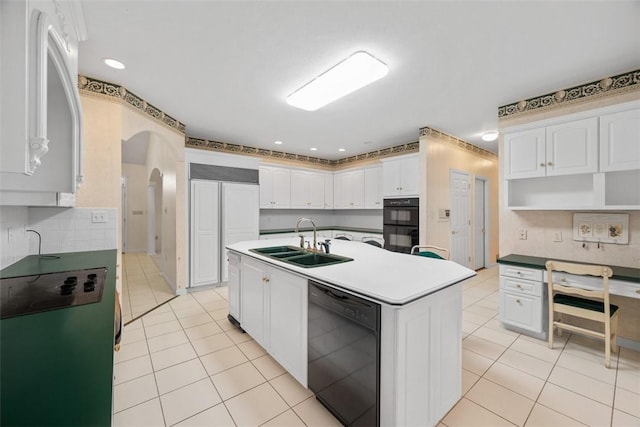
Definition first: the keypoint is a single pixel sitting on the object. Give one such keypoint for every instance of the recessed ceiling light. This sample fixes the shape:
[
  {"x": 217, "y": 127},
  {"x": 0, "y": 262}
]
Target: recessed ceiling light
[
  {"x": 341, "y": 149},
  {"x": 354, "y": 72},
  {"x": 114, "y": 63},
  {"x": 277, "y": 142},
  {"x": 313, "y": 149},
  {"x": 490, "y": 136}
]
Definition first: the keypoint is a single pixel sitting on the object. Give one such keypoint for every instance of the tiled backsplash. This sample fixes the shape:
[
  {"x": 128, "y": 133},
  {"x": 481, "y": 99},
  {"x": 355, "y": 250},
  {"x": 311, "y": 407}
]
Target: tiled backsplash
[
  {"x": 13, "y": 245},
  {"x": 62, "y": 230}
]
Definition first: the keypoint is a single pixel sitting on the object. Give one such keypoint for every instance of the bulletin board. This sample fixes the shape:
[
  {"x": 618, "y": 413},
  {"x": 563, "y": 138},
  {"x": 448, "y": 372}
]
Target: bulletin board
[{"x": 602, "y": 228}]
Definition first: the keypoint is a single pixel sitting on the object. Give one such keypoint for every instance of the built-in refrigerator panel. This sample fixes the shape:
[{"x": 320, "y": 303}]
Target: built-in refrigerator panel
[
  {"x": 240, "y": 219},
  {"x": 221, "y": 213},
  {"x": 205, "y": 232}
]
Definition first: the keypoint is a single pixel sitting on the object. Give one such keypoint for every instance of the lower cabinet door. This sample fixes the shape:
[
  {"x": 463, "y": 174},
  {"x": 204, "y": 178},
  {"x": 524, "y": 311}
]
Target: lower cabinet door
[
  {"x": 523, "y": 311},
  {"x": 253, "y": 297},
  {"x": 287, "y": 322}
]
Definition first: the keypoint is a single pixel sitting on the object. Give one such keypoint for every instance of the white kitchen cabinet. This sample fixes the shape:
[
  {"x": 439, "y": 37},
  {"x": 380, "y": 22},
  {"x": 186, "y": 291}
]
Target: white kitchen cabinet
[
  {"x": 584, "y": 161},
  {"x": 40, "y": 111},
  {"x": 562, "y": 149},
  {"x": 274, "y": 313},
  {"x": 328, "y": 190},
  {"x": 275, "y": 187},
  {"x": 620, "y": 141},
  {"x": 373, "y": 187},
  {"x": 288, "y": 322},
  {"x": 572, "y": 147},
  {"x": 401, "y": 176},
  {"x": 233, "y": 283},
  {"x": 522, "y": 300},
  {"x": 307, "y": 189},
  {"x": 254, "y": 300},
  {"x": 348, "y": 189}
]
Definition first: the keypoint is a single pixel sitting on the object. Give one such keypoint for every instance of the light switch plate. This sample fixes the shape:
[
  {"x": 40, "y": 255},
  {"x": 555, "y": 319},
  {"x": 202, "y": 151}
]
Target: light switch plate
[{"x": 523, "y": 234}]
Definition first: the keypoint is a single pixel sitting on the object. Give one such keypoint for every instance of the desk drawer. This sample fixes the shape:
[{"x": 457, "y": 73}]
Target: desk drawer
[
  {"x": 527, "y": 287},
  {"x": 521, "y": 272},
  {"x": 522, "y": 311}
]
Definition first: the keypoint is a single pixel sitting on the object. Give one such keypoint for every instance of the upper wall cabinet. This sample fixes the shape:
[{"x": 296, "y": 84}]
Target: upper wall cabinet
[
  {"x": 620, "y": 141},
  {"x": 307, "y": 189},
  {"x": 275, "y": 187},
  {"x": 348, "y": 189},
  {"x": 583, "y": 161},
  {"x": 401, "y": 176},
  {"x": 373, "y": 187},
  {"x": 40, "y": 111},
  {"x": 562, "y": 149}
]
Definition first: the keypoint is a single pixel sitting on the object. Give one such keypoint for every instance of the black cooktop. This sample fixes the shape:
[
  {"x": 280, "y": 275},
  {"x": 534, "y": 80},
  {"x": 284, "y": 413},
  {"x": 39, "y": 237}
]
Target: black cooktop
[{"x": 51, "y": 291}]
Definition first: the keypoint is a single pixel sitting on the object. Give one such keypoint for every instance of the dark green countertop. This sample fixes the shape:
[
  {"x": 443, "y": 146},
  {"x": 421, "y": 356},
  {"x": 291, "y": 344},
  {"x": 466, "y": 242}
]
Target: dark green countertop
[
  {"x": 619, "y": 273},
  {"x": 57, "y": 365},
  {"x": 35, "y": 264},
  {"x": 292, "y": 230}
]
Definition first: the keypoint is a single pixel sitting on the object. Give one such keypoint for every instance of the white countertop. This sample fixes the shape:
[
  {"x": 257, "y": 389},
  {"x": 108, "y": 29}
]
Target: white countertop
[{"x": 385, "y": 276}]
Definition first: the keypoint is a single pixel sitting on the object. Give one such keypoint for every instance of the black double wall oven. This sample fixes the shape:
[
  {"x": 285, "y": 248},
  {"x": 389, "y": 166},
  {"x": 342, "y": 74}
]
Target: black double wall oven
[{"x": 400, "y": 225}]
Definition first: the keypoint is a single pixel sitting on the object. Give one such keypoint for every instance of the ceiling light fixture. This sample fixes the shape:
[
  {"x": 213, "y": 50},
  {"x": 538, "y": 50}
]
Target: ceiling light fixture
[
  {"x": 341, "y": 149},
  {"x": 490, "y": 136},
  {"x": 353, "y": 73},
  {"x": 277, "y": 142},
  {"x": 313, "y": 149},
  {"x": 114, "y": 63}
]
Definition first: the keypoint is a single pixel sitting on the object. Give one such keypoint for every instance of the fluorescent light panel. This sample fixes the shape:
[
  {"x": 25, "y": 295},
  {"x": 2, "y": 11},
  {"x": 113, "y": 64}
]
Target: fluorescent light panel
[{"x": 353, "y": 73}]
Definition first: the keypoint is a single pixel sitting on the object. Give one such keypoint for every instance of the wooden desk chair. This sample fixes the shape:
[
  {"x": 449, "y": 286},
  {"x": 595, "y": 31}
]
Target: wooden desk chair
[
  {"x": 587, "y": 304},
  {"x": 430, "y": 251}
]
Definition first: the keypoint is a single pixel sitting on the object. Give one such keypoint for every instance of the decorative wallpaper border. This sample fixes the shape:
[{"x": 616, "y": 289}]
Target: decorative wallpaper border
[
  {"x": 95, "y": 86},
  {"x": 281, "y": 155},
  {"x": 625, "y": 82},
  {"x": 427, "y": 131}
]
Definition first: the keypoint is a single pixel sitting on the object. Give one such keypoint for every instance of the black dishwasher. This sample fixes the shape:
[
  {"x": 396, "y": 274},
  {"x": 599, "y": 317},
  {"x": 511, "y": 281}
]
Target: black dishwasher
[{"x": 344, "y": 354}]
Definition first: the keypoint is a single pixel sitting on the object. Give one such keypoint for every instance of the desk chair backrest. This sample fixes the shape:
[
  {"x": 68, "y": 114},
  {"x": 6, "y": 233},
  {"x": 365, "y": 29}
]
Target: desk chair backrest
[{"x": 430, "y": 251}]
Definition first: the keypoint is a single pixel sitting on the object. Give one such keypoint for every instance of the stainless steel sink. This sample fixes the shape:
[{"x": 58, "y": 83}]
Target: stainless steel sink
[{"x": 300, "y": 257}]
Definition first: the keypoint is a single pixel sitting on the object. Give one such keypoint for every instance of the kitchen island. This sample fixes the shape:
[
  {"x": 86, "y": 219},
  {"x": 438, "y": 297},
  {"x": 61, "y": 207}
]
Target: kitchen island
[{"x": 418, "y": 331}]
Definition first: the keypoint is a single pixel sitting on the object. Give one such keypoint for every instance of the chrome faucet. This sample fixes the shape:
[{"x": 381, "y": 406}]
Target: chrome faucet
[
  {"x": 314, "y": 231},
  {"x": 325, "y": 245}
]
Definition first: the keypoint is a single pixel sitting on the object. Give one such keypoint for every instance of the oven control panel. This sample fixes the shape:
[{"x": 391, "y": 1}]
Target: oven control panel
[{"x": 33, "y": 294}]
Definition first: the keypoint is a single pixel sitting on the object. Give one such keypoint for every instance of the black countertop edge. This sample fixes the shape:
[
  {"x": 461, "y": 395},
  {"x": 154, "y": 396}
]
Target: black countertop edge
[
  {"x": 292, "y": 230},
  {"x": 628, "y": 274}
]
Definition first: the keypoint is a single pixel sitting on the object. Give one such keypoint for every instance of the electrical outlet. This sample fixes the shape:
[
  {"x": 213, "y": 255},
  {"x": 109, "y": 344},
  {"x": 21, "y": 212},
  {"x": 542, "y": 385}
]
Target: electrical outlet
[
  {"x": 557, "y": 237},
  {"x": 98, "y": 216},
  {"x": 10, "y": 234},
  {"x": 523, "y": 234}
]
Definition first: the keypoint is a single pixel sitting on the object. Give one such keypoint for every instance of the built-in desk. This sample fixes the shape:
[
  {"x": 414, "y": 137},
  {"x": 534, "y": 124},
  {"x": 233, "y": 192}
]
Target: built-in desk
[{"x": 523, "y": 300}]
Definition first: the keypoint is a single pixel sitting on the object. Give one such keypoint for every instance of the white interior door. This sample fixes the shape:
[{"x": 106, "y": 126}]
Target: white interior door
[
  {"x": 240, "y": 217},
  {"x": 151, "y": 219},
  {"x": 460, "y": 218},
  {"x": 479, "y": 223},
  {"x": 205, "y": 232}
]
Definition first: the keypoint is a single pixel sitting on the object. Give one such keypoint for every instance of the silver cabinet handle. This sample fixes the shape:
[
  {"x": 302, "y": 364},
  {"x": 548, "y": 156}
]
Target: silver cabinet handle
[
  {"x": 550, "y": 164},
  {"x": 542, "y": 165}
]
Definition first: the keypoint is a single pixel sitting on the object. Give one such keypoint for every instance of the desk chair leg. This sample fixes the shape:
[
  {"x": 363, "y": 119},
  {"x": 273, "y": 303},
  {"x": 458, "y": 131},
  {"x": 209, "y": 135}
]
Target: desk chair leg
[
  {"x": 614, "y": 333},
  {"x": 607, "y": 344},
  {"x": 550, "y": 328}
]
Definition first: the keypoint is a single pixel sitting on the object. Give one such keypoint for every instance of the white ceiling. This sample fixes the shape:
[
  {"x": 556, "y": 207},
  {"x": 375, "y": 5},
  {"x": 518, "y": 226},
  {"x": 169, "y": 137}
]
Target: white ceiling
[{"x": 224, "y": 68}]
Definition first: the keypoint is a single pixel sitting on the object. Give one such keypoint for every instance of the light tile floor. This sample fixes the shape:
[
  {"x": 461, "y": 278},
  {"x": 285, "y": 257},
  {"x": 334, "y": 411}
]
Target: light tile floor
[{"x": 184, "y": 364}]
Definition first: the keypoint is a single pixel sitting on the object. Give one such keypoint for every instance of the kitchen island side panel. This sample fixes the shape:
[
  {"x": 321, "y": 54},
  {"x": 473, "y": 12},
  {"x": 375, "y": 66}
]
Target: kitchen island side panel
[{"x": 421, "y": 359}]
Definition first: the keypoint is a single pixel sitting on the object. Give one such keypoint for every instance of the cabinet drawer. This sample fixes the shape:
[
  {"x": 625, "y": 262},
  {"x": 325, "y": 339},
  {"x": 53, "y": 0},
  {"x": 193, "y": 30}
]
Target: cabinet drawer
[
  {"x": 522, "y": 311},
  {"x": 526, "y": 287},
  {"x": 521, "y": 272}
]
